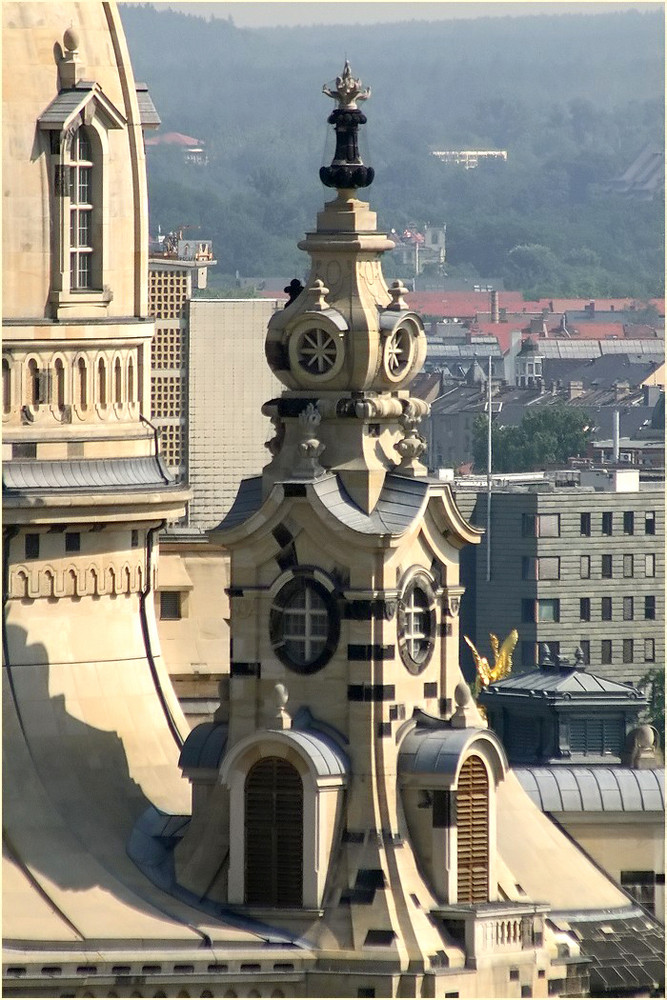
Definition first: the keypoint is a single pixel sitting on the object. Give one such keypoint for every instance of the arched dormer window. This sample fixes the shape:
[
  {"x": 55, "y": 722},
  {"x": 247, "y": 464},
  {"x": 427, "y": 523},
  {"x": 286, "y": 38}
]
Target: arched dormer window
[
  {"x": 273, "y": 834},
  {"x": 76, "y": 125},
  {"x": 82, "y": 248},
  {"x": 472, "y": 821}
]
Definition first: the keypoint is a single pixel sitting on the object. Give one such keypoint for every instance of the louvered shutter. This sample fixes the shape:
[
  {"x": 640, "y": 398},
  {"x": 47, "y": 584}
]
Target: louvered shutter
[
  {"x": 472, "y": 820},
  {"x": 273, "y": 834}
]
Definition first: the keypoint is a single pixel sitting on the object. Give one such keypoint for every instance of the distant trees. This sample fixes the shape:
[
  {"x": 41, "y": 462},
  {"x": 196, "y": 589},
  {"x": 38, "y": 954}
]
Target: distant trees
[
  {"x": 543, "y": 440},
  {"x": 543, "y": 221}
]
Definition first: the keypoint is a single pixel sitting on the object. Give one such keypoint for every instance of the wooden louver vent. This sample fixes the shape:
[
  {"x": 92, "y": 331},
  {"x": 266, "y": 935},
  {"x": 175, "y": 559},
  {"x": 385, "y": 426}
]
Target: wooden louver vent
[
  {"x": 472, "y": 821},
  {"x": 273, "y": 834}
]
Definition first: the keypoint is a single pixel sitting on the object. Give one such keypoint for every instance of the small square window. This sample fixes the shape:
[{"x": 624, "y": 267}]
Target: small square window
[
  {"x": 548, "y": 525},
  {"x": 649, "y": 564},
  {"x": 628, "y": 566},
  {"x": 514, "y": 974},
  {"x": 528, "y": 525},
  {"x": 649, "y": 522},
  {"x": 527, "y": 610},
  {"x": 584, "y": 524},
  {"x": 605, "y": 651},
  {"x": 72, "y": 541},
  {"x": 584, "y": 609},
  {"x": 528, "y": 568},
  {"x": 649, "y": 607},
  {"x": 548, "y": 609},
  {"x": 628, "y": 651},
  {"x": 606, "y": 567},
  {"x": 170, "y": 605},
  {"x": 548, "y": 568},
  {"x": 628, "y": 609},
  {"x": 606, "y": 609},
  {"x": 585, "y": 567},
  {"x": 628, "y": 522},
  {"x": 32, "y": 546},
  {"x": 607, "y": 522},
  {"x": 649, "y": 650}
]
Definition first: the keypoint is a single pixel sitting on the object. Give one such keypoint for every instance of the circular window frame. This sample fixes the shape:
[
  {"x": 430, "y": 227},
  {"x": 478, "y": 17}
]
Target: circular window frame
[
  {"x": 417, "y": 581},
  {"x": 299, "y": 370},
  {"x": 407, "y": 335},
  {"x": 285, "y": 593}
]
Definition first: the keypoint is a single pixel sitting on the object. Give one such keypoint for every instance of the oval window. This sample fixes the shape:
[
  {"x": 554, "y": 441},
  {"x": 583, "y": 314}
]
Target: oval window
[
  {"x": 304, "y": 625},
  {"x": 416, "y": 624}
]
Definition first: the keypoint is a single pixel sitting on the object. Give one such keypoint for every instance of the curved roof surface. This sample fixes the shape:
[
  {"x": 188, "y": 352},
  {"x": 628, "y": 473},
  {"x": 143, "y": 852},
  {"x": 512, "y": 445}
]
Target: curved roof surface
[
  {"x": 93, "y": 474},
  {"x": 594, "y": 789},
  {"x": 436, "y": 751}
]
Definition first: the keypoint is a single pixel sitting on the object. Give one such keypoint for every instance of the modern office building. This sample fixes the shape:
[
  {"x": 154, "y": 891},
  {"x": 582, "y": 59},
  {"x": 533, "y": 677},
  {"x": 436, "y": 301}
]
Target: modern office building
[
  {"x": 573, "y": 567},
  {"x": 176, "y": 268}
]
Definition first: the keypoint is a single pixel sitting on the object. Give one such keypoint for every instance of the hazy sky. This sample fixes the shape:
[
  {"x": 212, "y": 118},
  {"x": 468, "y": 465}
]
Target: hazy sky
[{"x": 248, "y": 13}]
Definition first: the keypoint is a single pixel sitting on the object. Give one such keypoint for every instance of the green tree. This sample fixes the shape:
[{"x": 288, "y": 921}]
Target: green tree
[
  {"x": 653, "y": 682},
  {"x": 543, "y": 440}
]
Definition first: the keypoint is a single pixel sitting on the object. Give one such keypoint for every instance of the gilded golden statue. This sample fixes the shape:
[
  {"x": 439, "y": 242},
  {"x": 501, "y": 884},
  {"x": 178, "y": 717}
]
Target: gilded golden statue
[{"x": 486, "y": 673}]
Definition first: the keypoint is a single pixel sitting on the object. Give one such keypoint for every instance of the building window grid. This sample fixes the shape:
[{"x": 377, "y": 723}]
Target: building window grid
[
  {"x": 628, "y": 609},
  {"x": 606, "y": 609},
  {"x": 628, "y": 566},
  {"x": 606, "y": 652},
  {"x": 649, "y": 607},
  {"x": 167, "y": 396},
  {"x": 306, "y": 625},
  {"x": 171, "y": 444},
  {"x": 584, "y": 609},
  {"x": 628, "y": 651},
  {"x": 606, "y": 567},
  {"x": 607, "y": 522}
]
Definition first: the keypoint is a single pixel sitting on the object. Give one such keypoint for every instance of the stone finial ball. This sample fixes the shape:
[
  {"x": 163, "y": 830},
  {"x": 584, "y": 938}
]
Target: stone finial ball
[
  {"x": 645, "y": 737},
  {"x": 462, "y": 695},
  {"x": 71, "y": 40}
]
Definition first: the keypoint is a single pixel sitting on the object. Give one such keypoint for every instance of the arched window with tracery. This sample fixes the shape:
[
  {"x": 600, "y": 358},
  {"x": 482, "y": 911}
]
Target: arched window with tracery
[
  {"x": 472, "y": 827},
  {"x": 273, "y": 834}
]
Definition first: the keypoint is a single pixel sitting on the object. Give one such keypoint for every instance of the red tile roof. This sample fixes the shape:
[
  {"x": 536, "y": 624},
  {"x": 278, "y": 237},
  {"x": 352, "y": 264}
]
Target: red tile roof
[{"x": 448, "y": 305}]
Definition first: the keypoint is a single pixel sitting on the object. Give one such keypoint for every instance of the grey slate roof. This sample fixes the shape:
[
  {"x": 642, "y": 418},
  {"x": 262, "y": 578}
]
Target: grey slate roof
[
  {"x": 24, "y": 476},
  {"x": 327, "y": 757},
  {"x": 435, "y": 751},
  {"x": 204, "y": 746},
  {"x": 627, "y": 953},
  {"x": 596, "y": 788},
  {"x": 67, "y": 104},
  {"x": 400, "y": 502},
  {"x": 148, "y": 115},
  {"x": 248, "y": 500},
  {"x": 560, "y": 682}
]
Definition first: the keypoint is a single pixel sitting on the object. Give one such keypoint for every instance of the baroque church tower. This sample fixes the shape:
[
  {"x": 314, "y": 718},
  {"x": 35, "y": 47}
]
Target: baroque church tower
[{"x": 346, "y": 789}]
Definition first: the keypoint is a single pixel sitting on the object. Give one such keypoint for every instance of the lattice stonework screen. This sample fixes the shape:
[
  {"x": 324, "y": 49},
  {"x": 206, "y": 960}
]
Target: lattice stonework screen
[
  {"x": 472, "y": 820},
  {"x": 273, "y": 834}
]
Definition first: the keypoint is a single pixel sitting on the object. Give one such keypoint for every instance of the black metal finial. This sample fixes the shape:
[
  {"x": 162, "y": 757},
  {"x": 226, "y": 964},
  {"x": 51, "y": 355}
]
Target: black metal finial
[{"x": 347, "y": 169}]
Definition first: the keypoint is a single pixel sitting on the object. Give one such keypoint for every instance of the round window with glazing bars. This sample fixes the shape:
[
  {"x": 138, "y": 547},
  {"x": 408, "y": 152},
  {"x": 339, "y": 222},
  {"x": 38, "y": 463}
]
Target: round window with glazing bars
[
  {"x": 416, "y": 624},
  {"x": 304, "y": 624}
]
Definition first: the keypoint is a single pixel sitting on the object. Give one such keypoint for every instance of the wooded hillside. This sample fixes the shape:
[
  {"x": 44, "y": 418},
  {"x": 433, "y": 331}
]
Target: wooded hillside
[{"x": 573, "y": 98}]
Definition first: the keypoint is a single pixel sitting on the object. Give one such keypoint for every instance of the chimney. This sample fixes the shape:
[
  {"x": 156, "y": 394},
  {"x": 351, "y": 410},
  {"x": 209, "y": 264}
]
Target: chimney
[
  {"x": 495, "y": 314},
  {"x": 616, "y": 436},
  {"x": 575, "y": 389},
  {"x": 590, "y": 308},
  {"x": 621, "y": 389}
]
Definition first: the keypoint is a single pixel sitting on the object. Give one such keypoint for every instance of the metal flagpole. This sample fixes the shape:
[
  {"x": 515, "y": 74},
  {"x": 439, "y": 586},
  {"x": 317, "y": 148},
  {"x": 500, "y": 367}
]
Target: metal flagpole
[{"x": 488, "y": 479}]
